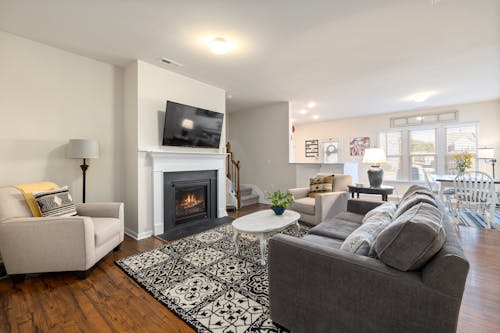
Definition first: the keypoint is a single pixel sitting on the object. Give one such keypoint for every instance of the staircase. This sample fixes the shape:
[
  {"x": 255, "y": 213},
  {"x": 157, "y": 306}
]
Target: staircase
[
  {"x": 238, "y": 195},
  {"x": 248, "y": 197}
]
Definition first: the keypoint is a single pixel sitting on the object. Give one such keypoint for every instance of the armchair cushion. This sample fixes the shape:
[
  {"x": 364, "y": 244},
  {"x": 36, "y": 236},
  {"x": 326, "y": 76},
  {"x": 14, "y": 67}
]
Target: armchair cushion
[{"x": 304, "y": 205}]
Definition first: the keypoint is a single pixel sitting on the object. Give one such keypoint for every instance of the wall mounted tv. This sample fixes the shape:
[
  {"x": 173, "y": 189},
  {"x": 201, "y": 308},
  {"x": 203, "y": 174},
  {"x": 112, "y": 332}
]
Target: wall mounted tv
[{"x": 189, "y": 126}]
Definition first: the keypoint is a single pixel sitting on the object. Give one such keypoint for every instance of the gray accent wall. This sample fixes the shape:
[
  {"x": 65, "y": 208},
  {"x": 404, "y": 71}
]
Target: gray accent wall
[{"x": 259, "y": 139}]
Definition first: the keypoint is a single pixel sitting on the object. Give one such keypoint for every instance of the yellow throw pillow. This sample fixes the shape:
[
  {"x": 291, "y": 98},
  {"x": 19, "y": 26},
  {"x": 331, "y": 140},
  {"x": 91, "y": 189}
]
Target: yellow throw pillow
[
  {"x": 320, "y": 185},
  {"x": 28, "y": 189}
]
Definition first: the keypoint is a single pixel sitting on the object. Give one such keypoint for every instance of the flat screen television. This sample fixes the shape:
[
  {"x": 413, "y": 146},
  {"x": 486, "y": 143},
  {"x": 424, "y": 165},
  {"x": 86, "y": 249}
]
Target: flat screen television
[{"x": 189, "y": 126}]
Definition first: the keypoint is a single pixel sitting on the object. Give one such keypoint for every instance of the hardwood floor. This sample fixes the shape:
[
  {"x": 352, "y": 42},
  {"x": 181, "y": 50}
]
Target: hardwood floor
[{"x": 109, "y": 301}]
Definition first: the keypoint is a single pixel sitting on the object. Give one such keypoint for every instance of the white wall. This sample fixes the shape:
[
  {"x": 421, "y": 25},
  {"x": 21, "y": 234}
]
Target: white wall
[
  {"x": 486, "y": 113},
  {"x": 259, "y": 139},
  {"x": 48, "y": 96},
  {"x": 155, "y": 86}
]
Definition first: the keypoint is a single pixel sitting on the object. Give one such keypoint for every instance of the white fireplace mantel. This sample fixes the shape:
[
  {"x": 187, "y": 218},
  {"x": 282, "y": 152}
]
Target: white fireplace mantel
[{"x": 170, "y": 161}]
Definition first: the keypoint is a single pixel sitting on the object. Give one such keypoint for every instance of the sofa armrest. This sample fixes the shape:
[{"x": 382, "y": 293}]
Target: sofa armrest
[
  {"x": 337, "y": 288},
  {"x": 300, "y": 192},
  {"x": 47, "y": 244},
  {"x": 101, "y": 209},
  {"x": 328, "y": 205},
  {"x": 361, "y": 206}
]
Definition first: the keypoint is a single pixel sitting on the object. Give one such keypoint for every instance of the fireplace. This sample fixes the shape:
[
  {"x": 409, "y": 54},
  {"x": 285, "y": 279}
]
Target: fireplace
[{"x": 190, "y": 197}]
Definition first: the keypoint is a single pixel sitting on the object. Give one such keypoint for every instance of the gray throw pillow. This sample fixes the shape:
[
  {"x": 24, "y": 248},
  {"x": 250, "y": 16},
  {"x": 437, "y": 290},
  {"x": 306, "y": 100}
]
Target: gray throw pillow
[
  {"x": 412, "y": 239},
  {"x": 417, "y": 189},
  {"x": 413, "y": 200}
]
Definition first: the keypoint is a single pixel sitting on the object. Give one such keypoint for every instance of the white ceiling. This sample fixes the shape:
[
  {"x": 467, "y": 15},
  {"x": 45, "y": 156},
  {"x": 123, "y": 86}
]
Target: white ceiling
[{"x": 352, "y": 57}]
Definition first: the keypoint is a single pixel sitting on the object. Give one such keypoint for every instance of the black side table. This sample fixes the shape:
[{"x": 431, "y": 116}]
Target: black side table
[{"x": 384, "y": 191}]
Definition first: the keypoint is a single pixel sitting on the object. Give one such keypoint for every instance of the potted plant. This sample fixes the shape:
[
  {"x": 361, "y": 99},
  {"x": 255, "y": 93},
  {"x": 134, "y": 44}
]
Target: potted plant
[{"x": 280, "y": 200}]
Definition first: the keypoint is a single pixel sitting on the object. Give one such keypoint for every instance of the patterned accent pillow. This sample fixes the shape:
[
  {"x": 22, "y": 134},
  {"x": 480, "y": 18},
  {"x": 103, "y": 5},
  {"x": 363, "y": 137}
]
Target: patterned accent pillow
[
  {"x": 320, "y": 185},
  {"x": 55, "y": 203},
  {"x": 361, "y": 240},
  {"x": 383, "y": 211}
]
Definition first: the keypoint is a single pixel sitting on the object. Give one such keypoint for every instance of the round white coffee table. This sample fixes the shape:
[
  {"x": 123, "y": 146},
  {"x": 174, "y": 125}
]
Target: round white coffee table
[{"x": 262, "y": 223}]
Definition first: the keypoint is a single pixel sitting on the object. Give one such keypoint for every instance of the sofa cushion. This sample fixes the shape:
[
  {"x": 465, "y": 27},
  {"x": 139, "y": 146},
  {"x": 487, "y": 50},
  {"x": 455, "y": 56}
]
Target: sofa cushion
[
  {"x": 413, "y": 200},
  {"x": 334, "y": 228},
  {"x": 55, "y": 203},
  {"x": 350, "y": 216},
  {"x": 105, "y": 228},
  {"x": 384, "y": 211},
  {"x": 304, "y": 205},
  {"x": 320, "y": 184},
  {"x": 326, "y": 241},
  {"x": 360, "y": 241},
  {"x": 412, "y": 239}
]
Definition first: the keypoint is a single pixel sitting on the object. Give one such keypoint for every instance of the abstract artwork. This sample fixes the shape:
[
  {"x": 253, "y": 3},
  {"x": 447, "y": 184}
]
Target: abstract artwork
[{"x": 357, "y": 146}]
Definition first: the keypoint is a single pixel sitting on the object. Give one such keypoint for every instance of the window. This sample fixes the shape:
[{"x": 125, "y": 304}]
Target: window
[
  {"x": 460, "y": 139},
  {"x": 422, "y": 153},
  {"x": 392, "y": 143},
  {"x": 412, "y": 150}
]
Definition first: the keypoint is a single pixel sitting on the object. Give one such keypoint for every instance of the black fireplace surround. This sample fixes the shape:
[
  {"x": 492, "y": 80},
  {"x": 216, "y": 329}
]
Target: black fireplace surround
[{"x": 189, "y": 201}]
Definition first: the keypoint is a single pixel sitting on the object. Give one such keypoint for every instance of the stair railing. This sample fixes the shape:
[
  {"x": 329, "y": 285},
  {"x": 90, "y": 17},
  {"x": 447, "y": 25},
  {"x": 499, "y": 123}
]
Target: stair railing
[{"x": 233, "y": 173}]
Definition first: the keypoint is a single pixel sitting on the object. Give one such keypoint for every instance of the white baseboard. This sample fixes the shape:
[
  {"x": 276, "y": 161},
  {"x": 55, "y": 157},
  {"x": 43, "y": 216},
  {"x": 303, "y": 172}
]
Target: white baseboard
[{"x": 138, "y": 236}]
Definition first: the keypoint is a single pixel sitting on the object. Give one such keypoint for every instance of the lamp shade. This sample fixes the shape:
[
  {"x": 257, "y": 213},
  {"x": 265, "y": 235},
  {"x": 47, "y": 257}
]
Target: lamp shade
[
  {"x": 374, "y": 156},
  {"x": 486, "y": 153},
  {"x": 83, "y": 148}
]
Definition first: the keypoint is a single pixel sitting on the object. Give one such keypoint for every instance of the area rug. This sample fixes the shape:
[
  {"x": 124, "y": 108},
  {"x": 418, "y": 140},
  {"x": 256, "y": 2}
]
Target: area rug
[
  {"x": 475, "y": 219},
  {"x": 202, "y": 280}
]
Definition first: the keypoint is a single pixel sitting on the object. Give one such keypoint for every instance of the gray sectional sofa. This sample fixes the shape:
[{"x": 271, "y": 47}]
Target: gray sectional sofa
[{"x": 317, "y": 286}]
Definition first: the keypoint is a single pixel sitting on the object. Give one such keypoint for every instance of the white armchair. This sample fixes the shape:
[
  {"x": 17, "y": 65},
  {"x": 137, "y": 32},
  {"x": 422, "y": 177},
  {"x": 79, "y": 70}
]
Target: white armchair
[
  {"x": 324, "y": 205},
  {"x": 52, "y": 244}
]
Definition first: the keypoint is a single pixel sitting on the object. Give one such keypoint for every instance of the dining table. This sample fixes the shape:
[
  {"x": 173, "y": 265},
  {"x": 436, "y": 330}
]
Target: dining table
[{"x": 446, "y": 181}]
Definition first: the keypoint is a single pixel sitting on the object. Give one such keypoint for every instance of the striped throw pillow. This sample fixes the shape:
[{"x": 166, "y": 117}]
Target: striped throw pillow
[
  {"x": 55, "y": 203},
  {"x": 319, "y": 185}
]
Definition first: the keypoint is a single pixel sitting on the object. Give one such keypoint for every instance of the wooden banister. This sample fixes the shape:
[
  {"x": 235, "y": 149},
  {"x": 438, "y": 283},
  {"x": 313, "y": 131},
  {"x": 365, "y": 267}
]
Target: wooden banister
[{"x": 233, "y": 173}]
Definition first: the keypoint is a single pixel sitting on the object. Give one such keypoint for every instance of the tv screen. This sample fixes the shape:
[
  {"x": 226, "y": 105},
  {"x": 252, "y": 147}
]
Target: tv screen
[{"x": 189, "y": 126}]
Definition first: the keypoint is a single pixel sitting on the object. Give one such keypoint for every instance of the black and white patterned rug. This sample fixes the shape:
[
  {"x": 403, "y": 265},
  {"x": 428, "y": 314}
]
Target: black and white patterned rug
[{"x": 202, "y": 280}]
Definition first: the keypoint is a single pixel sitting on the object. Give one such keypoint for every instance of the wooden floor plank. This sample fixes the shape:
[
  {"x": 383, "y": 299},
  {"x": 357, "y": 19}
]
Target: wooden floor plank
[{"x": 109, "y": 301}]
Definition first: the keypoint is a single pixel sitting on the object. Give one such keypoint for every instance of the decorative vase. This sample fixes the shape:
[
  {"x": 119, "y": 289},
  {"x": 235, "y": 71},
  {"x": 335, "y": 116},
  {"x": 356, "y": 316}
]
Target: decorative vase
[{"x": 278, "y": 210}]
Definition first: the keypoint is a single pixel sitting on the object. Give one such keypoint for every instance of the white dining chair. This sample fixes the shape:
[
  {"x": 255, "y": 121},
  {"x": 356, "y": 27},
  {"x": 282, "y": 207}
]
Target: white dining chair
[
  {"x": 434, "y": 187},
  {"x": 475, "y": 193}
]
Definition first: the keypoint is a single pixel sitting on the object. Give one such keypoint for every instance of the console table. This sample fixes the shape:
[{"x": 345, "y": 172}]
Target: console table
[{"x": 384, "y": 191}]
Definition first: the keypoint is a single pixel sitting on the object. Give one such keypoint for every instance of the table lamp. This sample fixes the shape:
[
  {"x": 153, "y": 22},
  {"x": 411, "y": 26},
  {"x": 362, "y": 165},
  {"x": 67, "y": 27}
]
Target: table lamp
[
  {"x": 487, "y": 154},
  {"x": 375, "y": 157},
  {"x": 83, "y": 149}
]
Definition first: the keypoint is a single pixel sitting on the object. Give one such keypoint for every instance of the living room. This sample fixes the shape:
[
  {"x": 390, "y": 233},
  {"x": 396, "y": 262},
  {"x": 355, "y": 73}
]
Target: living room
[{"x": 303, "y": 93}]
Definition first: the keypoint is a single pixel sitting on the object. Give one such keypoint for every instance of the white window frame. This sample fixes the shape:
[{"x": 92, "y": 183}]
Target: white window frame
[{"x": 441, "y": 153}]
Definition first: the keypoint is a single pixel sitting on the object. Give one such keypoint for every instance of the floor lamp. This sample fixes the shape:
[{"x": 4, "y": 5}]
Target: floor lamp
[
  {"x": 83, "y": 149},
  {"x": 487, "y": 154}
]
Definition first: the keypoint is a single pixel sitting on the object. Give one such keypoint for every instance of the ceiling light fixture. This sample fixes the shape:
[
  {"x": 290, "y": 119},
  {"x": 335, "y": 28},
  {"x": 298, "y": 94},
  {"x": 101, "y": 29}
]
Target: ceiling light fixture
[
  {"x": 303, "y": 111},
  {"x": 311, "y": 105},
  {"x": 420, "y": 98},
  {"x": 315, "y": 117},
  {"x": 219, "y": 45}
]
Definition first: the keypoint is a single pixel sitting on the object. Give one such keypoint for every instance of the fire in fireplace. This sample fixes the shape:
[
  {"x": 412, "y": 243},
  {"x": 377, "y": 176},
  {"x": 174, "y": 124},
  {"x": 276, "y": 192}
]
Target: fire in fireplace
[{"x": 190, "y": 202}]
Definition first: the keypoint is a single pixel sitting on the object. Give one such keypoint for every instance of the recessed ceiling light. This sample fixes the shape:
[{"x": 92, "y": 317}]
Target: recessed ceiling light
[
  {"x": 303, "y": 111},
  {"x": 219, "y": 45},
  {"x": 229, "y": 96},
  {"x": 315, "y": 117},
  {"x": 311, "y": 105},
  {"x": 419, "y": 98}
]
